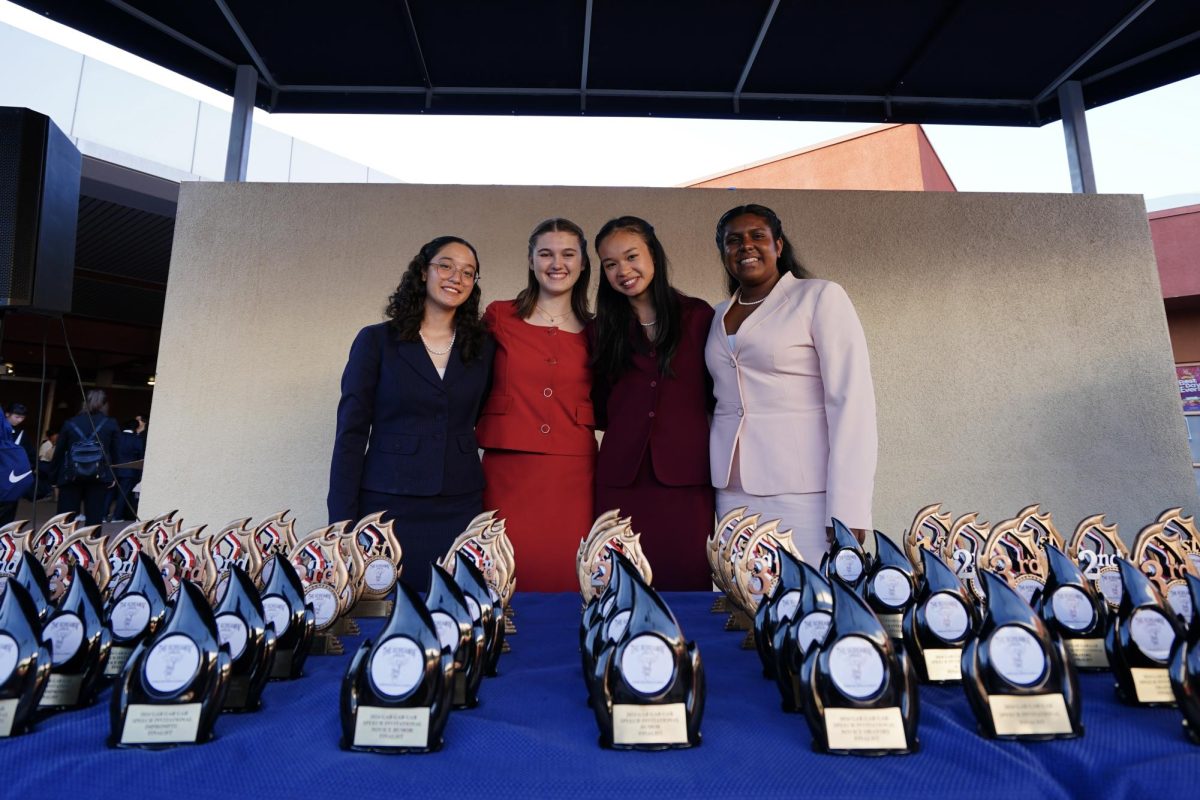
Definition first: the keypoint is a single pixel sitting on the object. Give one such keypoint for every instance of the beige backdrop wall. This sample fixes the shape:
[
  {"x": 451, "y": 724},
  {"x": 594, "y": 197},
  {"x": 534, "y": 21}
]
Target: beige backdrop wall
[{"x": 1018, "y": 342}]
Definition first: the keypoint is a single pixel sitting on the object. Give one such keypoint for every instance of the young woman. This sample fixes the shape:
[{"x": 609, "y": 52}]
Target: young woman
[
  {"x": 411, "y": 392},
  {"x": 537, "y": 428},
  {"x": 793, "y": 434},
  {"x": 653, "y": 394},
  {"x": 90, "y": 491}
]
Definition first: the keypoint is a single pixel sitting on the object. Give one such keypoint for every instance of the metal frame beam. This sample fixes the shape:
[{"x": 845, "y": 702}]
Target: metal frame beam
[
  {"x": 1079, "y": 149},
  {"x": 1146, "y": 56},
  {"x": 762, "y": 34},
  {"x": 587, "y": 51},
  {"x": 174, "y": 34},
  {"x": 246, "y": 43},
  {"x": 237, "y": 157},
  {"x": 412, "y": 31},
  {"x": 1091, "y": 51}
]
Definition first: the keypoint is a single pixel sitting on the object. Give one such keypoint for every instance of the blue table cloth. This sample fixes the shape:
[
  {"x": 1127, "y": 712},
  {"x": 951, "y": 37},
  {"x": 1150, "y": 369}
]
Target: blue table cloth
[{"x": 534, "y": 736}]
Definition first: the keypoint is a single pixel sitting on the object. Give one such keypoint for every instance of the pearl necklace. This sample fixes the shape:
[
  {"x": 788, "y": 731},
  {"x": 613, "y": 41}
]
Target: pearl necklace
[
  {"x": 742, "y": 302},
  {"x": 433, "y": 352},
  {"x": 649, "y": 324}
]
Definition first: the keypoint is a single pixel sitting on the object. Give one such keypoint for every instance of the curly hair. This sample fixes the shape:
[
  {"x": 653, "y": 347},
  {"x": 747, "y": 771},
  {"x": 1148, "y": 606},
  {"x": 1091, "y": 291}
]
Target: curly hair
[
  {"x": 406, "y": 306},
  {"x": 528, "y": 297},
  {"x": 787, "y": 261},
  {"x": 614, "y": 314}
]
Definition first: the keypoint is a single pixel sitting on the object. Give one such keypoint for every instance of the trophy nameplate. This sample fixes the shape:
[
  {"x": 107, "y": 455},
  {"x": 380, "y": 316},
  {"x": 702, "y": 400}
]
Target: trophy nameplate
[
  {"x": 320, "y": 564},
  {"x": 846, "y": 558},
  {"x": 135, "y": 612},
  {"x": 80, "y": 644},
  {"x": 865, "y": 679},
  {"x": 780, "y": 605},
  {"x": 161, "y": 531},
  {"x": 1073, "y": 609},
  {"x": 83, "y": 547},
  {"x": 592, "y": 566},
  {"x": 940, "y": 623},
  {"x": 229, "y": 546},
  {"x": 890, "y": 586},
  {"x": 1015, "y": 553},
  {"x": 24, "y": 661},
  {"x": 649, "y": 683},
  {"x": 460, "y": 636},
  {"x": 807, "y": 629},
  {"x": 1018, "y": 678},
  {"x": 716, "y": 540},
  {"x": 1161, "y": 551},
  {"x": 173, "y": 688},
  {"x": 274, "y": 535},
  {"x": 1184, "y": 668},
  {"x": 397, "y": 692},
  {"x": 292, "y": 619},
  {"x": 1139, "y": 640},
  {"x": 242, "y": 627},
  {"x": 184, "y": 559},
  {"x": 930, "y": 530},
  {"x": 121, "y": 554},
  {"x": 1096, "y": 547},
  {"x": 964, "y": 547},
  {"x": 382, "y": 557}
]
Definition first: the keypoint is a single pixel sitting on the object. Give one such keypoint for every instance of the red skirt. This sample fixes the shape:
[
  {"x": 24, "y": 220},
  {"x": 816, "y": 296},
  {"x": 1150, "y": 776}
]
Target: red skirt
[
  {"x": 546, "y": 501},
  {"x": 674, "y": 522}
]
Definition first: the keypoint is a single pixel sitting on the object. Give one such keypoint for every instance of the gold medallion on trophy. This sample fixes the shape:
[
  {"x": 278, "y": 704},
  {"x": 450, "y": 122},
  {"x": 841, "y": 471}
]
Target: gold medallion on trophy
[
  {"x": 13, "y": 538},
  {"x": 1014, "y": 552},
  {"x": 82, "y": 548},
  {"x": 184, "y": 558},
  {"x": 380, "y": 554},
  {"x": 320, "y": 564},
  {"x": 162, "y": 531},
  {"x": 228, "y": 546},
  {"x": 1096, "y": 547},
  {"x": 488, "y": 547},
  {"x": 273, "y": 536},
  {"x": 1041, "y": 525},
  {"x": 121, "y": 552},
  {"x": 757, "y": 570},
  {"x": 930, "y": 530},
  {"x": 1161, "y": 553},
  {"x": 611, "y": 533},
  {"x": 964, "y": 545}
]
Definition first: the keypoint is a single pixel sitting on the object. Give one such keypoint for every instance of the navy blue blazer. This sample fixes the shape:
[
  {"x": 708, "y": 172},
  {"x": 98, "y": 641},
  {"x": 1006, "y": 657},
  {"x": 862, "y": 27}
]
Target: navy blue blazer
[{"x": 401, "y": 429}]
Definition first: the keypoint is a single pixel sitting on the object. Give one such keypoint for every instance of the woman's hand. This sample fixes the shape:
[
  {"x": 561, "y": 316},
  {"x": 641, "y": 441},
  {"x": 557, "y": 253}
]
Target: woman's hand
[{"x": 859, "y": 533}]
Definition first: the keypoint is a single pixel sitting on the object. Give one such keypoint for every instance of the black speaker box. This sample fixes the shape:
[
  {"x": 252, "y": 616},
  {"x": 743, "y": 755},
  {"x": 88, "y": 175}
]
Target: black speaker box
[{"x": 39, "y": 210}]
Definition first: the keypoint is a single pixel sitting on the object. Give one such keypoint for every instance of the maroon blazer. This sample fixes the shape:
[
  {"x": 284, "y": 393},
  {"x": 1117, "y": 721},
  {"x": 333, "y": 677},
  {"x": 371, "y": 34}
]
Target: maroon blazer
[{"x": 668, "y": 415}]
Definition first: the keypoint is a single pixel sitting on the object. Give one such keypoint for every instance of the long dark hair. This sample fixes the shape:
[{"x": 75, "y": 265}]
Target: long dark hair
[
  {"x": 96, "y": 402},
  {"x": 614, "y": 313},
  {"x": 787, "y": 261},
  {"x": 528, "y": 297},
  {"x": 406, "y": 306}
]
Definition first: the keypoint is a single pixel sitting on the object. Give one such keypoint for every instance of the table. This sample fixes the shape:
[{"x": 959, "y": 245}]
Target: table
[{"x": 534, "y": 736}]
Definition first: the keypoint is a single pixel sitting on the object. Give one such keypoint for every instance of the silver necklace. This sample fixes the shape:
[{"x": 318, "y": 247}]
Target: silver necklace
[
  {"x": 433, "y": 352},
  {"x": 549, "y": 317},
  {"x": 742, "y": 302},
  {"x": 649, "y": 324}
]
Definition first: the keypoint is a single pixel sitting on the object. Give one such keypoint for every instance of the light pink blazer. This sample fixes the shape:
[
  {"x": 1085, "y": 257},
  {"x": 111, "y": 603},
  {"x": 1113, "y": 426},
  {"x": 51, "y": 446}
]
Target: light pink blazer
[{"x": 795, "y": 397}]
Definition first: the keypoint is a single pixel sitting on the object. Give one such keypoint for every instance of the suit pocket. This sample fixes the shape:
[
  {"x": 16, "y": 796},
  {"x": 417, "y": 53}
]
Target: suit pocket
[
  {"x": 585, "y": 415},
  {"x": 467, "y": 443},
  {"x": 399, "y": 443},
  {"x": 498, "y": 404}
]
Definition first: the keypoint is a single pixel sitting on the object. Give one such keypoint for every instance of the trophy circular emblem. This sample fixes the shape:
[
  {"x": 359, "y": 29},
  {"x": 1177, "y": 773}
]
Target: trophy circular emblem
[
  {"x": 856, "y": 667},
  {"x": 447, "y": 630},
  {"x": 65, "y": 634},
  {"x": 473, "y": 607},
  {"x": 232, "y": 631},
  {"x": 946, "y": 616},
  {"x": 1071, "y": 608},
  {"x": 618, "y": 624},
  {"x": 787, "y": 605},
  {"x": 171, "y": 664},
  {"x": 647, "y": 664},
  {"x": 129, "y": 616},
  {"x": 1027, "y": 586},
  {"x": 380, "y": 575},
  {"x": 1016, "y": 655},
  {"x": 278, "y": 613},
  {"x": 397, "y": 666},
  {"x": 1180, "y": 599},
  {"x": 9, "y": 650},
  {"x": 1152, "y": 633},
  {"x": 848, "y": 564},
  {"x": 324, "y": 602},
  {"x": 813, "y": 628},
  {"x": 1111, "y": 586},
  {"x": 892, "y": 586}
]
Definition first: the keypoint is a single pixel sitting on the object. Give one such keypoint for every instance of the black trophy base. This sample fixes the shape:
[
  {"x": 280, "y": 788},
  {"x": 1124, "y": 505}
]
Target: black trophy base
[
  {"x": 607, "y": 743},
  {"x": 284, "y": 667},
  {"x": 1129, "y": 698},
  {"x": 326, "y": 644},
  {"x": 459, "y": 700},
  {"x": 238, "y": 699},
  {"x": 372, "y": 608}
]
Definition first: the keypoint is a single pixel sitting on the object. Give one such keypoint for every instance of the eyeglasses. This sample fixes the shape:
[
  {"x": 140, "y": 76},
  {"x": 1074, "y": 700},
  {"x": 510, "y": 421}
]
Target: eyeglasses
[{"x": 446, "y": 269}]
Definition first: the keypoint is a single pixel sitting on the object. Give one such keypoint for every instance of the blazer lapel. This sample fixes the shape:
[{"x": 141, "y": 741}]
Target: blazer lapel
[
  {"x": 775, "y": 300},
  {"x": 414, "y": 354},
  {"x": 454, "y": 367}
]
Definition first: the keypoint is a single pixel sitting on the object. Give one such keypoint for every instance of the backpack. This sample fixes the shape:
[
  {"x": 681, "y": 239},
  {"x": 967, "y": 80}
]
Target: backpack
[
  {"x": 14, "y": 466},
  {"x": 85, "y": 457}
]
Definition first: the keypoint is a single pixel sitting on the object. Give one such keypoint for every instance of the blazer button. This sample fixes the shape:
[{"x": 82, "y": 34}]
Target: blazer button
[
  {"x": 652, "y": 415},
  {"x": 547, "y": 392},
  {"x": 741, "y": 411},
  {"x": 733, "y": 363},
  {"x": 653, "y": 384},
  {"x": 544, "y": 429},
  {"x": 552, "y": 361}
]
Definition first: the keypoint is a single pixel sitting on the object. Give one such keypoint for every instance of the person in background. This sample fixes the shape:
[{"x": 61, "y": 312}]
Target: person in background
[
  {"x": 794, "y": 434},
  {"x": 537, "y": 429},
  {"x": 76, "y": 491},
  {"x": 16, "y": 418},
  {"x": 411, "y": 392},
  {"x": 45, "y": 456},
  {"x": 131, "y": 447},
  {"x": 653, "y": 396}
]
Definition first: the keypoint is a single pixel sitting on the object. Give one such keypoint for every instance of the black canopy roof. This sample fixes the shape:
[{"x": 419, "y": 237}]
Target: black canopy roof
[{"x": 993, "y": 62}]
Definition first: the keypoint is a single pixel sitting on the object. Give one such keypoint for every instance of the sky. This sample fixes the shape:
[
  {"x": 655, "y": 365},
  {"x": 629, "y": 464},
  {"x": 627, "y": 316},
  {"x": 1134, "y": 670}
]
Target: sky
[{"x": 1148, "y": 144}]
